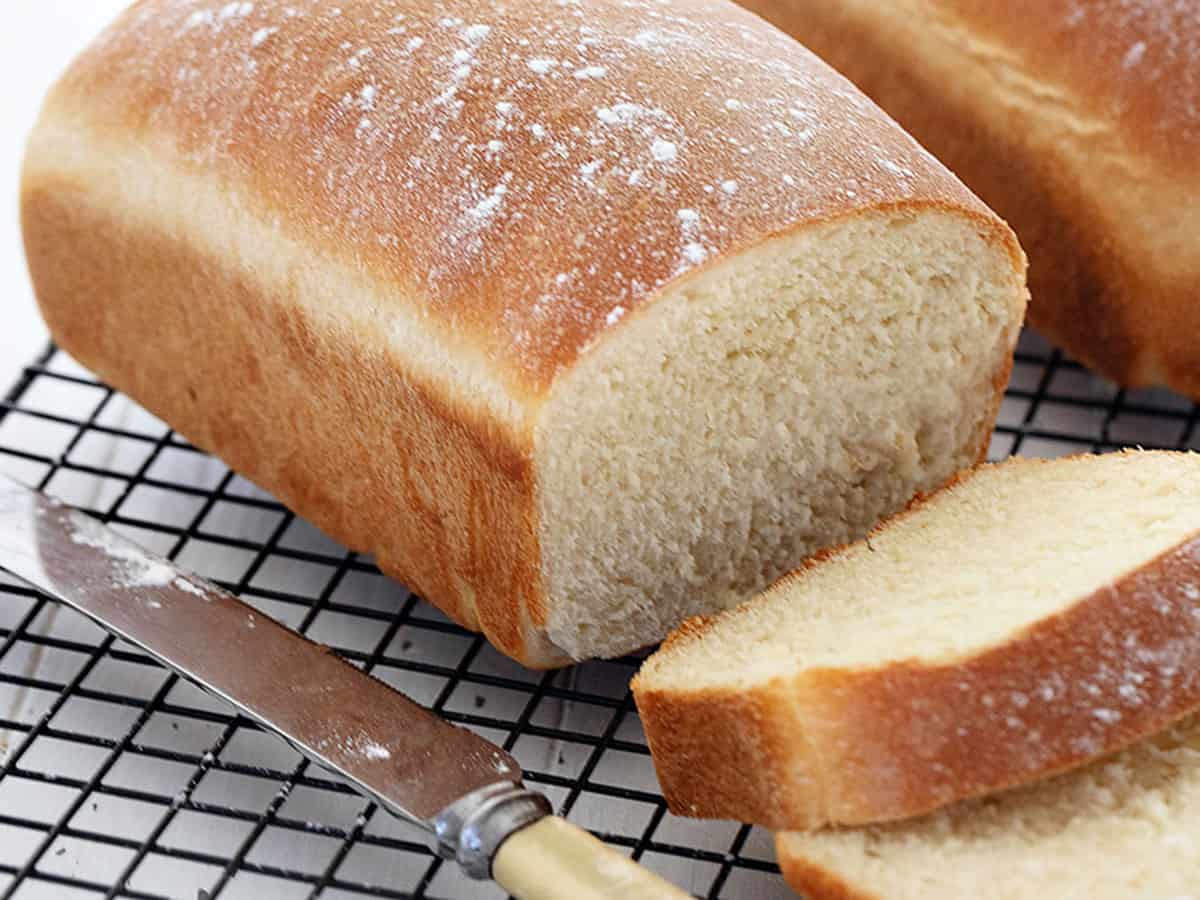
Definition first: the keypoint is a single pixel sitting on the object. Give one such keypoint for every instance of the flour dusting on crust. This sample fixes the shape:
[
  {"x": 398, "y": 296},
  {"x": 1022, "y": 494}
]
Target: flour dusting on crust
[
  {"x": 524, "y": 138},
  {"x": 1144, "y": 55}
]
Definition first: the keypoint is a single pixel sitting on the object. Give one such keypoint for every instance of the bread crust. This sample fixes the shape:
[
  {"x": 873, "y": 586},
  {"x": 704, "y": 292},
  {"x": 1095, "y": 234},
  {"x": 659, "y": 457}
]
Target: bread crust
[
  {"x": 1079, "y": 125},
  {"x": 811, "y": 880},
  {"x": 294, "y": 406},
  {"x": 209, "y": 121},
  {"x": 353, "y": 257},
  {"x": 899, "y": 740}
]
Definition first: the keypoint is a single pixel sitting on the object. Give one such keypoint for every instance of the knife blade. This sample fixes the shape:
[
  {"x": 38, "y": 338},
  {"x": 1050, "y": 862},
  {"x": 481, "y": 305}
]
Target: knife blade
[{"x": 464, "y": 791}]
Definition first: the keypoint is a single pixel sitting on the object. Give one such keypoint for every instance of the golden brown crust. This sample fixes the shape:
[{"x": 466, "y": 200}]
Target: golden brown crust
[
  {"x": 348, "y": 248},
  {"x": 717, "y": 761},
  {"x": 1082, "y": 130},
  {"x": 240, "y": 370},
  {"x": 402, "y": 180},
  {"x": 1137, "y": 63},
  {"x": 1116, "y": 667},
  {"x": 810, "y": 880},
  {"x": 900, "y": 740}
]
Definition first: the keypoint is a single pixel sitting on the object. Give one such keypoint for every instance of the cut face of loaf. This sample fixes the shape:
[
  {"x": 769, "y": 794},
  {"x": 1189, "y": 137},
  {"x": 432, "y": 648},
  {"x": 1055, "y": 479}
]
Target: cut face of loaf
[
  {"x": 757, "y": 414},
  {"x": 1031, "y": 617},
  {"x": 1124, "y": 828},
  {"x": 581, "y": 324}
]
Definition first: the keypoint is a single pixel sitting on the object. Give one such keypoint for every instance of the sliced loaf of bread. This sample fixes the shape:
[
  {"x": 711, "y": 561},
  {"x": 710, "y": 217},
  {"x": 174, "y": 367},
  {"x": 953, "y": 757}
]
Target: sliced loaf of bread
[
  {"x": 1123, "y": 828},
  {"x": 573, "y": 344},
  {"x": 1030, "y": 618}
]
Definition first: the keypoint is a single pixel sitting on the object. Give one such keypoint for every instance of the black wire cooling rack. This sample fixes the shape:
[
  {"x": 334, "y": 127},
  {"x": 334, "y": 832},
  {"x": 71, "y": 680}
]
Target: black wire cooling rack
[{"x": 118, "y": 779}]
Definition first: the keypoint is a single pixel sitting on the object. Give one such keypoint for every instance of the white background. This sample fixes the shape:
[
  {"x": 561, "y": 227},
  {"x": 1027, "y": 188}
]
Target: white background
[{"x": 37, "y": 41}]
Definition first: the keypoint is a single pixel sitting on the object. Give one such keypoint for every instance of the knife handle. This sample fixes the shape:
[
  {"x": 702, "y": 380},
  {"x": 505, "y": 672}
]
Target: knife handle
[{"x": 553, "y": 860}]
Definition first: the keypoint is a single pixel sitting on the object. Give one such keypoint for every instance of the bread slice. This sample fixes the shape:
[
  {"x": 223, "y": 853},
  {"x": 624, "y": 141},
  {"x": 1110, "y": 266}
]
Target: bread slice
[
  {"x": 581, "y": 318},
  {"x": 1126, "y": 827},
  {"x": 1079, "y": 122},
  {"x": 1033, "y": 616}
]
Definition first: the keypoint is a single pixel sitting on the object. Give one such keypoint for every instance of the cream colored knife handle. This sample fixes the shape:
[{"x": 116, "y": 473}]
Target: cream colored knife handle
[{"x": 554, "y": 860}]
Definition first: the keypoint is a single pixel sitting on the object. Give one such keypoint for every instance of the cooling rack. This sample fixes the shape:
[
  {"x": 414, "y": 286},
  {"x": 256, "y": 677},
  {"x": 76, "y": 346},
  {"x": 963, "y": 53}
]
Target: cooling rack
[{"x": 117, "y": 779}]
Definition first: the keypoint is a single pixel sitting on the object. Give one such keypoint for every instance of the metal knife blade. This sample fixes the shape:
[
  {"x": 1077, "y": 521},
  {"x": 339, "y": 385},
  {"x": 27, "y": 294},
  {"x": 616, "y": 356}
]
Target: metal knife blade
[
  {"x": 463, "y": 790},
  {"x": 414, "y": 763}
]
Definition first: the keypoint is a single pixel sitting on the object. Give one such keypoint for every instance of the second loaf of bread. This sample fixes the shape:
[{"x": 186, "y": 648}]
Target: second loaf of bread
[
  {"x": 582, "y": 318},
  {"x": 1080, "y": 123}
]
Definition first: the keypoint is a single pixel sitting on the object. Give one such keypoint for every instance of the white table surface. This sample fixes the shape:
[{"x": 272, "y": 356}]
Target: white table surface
[{"x": 37, "y": 40}]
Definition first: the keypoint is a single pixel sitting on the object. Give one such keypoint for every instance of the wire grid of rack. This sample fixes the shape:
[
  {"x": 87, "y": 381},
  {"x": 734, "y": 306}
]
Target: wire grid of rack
[{"x": 118, "y": 779}]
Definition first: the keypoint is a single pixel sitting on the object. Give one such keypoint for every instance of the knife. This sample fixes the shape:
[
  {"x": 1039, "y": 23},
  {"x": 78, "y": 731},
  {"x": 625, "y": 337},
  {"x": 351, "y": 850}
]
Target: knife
[{"x": 462, "y": 790}]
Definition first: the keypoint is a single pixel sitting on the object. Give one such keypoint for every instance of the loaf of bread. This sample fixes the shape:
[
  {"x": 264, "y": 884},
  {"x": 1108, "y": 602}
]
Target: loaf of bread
[
  {"x": 1080, "y": 124},
  {"x": 582, "y": 318},
  {"x": 1027, "y": 619},
  {"x": 1124, "y": 828}
]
